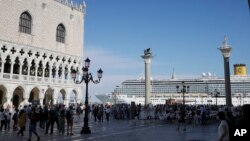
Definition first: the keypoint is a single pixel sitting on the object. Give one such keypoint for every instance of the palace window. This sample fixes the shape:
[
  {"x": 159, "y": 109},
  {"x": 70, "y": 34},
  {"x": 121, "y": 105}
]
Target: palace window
[
  {"x": 25, "y": 23},
  {"x": 60, "y": 33}
]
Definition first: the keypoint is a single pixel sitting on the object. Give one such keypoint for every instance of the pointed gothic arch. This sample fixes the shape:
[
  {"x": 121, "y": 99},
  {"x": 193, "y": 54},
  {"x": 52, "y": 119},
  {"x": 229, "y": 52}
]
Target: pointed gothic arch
[
  {"x": 48, "y": 97},
  {"x": 61, "y": 96},
  {"x": 34, "y": 96},
  {"x": 18, "y": 96},
  {"x": 3, "y": 93}
]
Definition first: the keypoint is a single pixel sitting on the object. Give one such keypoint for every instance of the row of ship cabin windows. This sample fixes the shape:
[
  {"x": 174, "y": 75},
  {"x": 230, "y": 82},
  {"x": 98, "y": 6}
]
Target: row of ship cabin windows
[{"x": 25, "y": 22}]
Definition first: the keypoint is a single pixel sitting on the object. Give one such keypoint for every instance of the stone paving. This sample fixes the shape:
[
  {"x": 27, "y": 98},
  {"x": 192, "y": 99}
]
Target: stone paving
[{"x": 125, "y": 130}]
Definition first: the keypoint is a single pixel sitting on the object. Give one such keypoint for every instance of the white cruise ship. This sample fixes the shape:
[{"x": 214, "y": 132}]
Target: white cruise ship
[{"x": 202, "y": 90}]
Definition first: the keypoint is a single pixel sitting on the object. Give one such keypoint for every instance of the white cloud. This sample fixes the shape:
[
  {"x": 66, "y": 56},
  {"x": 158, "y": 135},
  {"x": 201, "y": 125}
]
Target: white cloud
[
  {"x": 117, "y": 68},
  {"x": 110, "y": 60}
]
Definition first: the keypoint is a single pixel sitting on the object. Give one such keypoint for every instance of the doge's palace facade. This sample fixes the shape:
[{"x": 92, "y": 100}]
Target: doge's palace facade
[{"x": 41, "y": 42}]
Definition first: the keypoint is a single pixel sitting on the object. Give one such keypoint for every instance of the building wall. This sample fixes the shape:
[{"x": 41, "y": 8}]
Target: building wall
[{"x": 46, "y": 16}]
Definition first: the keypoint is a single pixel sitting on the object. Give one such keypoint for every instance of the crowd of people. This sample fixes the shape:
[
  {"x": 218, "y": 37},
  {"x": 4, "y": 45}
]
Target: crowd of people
[
  {"x": 64, "y": 117},
  {"x": 45, "y": 117}
]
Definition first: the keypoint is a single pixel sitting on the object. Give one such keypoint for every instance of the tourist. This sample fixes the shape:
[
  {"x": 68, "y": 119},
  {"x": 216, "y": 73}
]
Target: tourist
[
  {"x": 223, "y": 129},
  {"x": 15, "y": 119},
  {"x": 95, "y": 112},
  {"x": 3, "y": 119},
  {"x": 62, "y": 120},
  {"x": 100, "y": 113},
  {"x": 181, "y": 119},
  {"x": 8, "y": 117},
  {"x": 34, "y": 117},
  {"x": 21, "y": 122},
  {"x": 70, "y": 118},
  {"x": 107, "y": 113},
  {"x": 51, "y": 120}
]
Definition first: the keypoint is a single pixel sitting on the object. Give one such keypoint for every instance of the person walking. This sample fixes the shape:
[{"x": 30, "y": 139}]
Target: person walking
[
  {"x": 100, "y": 113},
  {"x": 107, "y": 112},
  {"x": 223, "y": 129},
  {"x": 34, "y": 117},
  {"x": 3, "y": 119},
  {"x": 51, "y": 120},
  {"x": 95, "y": 112},
  {"x": 21, "y": 122},
  {"x": 70, "y": 118},
  {"x": 8, "y": 117},
  {"x": 181, "y": 119},
  {"x": 15, "y": 120},
  {"x": 62, "y": 121},
  {"x": 78, "y": 112}
]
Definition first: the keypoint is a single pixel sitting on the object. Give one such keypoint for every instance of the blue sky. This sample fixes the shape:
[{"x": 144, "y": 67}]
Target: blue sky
[{"x": 183, "y": 34}]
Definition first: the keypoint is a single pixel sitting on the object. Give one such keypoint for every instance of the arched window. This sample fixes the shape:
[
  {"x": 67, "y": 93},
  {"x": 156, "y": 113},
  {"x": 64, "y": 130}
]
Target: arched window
[
  {"x": 60, "y": 33},
  {"x": 25, "y": 23}
]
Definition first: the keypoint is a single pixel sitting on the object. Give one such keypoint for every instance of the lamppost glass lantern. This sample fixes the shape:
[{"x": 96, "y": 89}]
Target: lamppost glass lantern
[
  {"x": 183, "y": 90},
  {"x": 87, "y": 63},
  {"x": 99, "y": 73},
  {"x": 84, "y": 71},
  {"x": 216, "y": 94}
]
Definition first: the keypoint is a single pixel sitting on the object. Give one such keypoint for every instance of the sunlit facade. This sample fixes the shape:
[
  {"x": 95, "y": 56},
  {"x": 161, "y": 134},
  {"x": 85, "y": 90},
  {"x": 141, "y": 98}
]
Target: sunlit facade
[{"x": 41, "y": 42}]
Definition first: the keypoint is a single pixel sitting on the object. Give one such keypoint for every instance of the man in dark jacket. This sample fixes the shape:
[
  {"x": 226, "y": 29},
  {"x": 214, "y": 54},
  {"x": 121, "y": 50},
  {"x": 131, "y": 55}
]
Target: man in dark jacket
[
  {"x": 51, "y": 120},
  {"x": 34, "y": 117},
  {"x": 244, "y": 123}
]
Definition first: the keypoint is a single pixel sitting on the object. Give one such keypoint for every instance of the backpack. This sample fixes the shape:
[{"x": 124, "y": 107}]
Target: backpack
[
  {"x": 68, "y": 115},
  {"x": 14, "y": 117},
  {"x": 33, "y": 117}
]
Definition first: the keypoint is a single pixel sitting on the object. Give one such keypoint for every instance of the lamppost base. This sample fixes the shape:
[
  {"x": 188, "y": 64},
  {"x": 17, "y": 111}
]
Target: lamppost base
[{"x": 85, "y": 130}]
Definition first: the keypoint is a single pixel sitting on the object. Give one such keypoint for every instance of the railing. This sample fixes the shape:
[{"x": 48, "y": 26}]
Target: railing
[
  {"x": 59, "y": 80},
  {"x": 32, "y": 78},
  {"x": 15, "y": 76},
  {"x": 7, "y": 76},
  {"x": 46, "y": 79},
  {"x": 53, "y": 80},
  {"x": 39, "y": 79},
  {"x": 25, "y": 77}
]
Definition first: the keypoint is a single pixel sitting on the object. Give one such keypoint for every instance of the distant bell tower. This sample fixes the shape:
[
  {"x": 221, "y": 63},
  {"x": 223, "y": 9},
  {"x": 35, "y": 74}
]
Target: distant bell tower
[{"x": 173, "y": 75}]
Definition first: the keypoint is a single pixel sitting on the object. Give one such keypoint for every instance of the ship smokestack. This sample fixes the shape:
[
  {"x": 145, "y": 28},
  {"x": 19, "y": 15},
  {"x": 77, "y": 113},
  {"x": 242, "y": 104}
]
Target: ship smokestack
[{"x": 240, "y": 69}]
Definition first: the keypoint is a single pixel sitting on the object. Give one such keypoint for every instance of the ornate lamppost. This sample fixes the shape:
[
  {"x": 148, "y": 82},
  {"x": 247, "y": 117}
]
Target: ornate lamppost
[
  {"x": 86, "y": 77},
  {"x": 183, "y": 90},
  {"x": 226, "y": 50},
  {"x": 216, "y": 94}
]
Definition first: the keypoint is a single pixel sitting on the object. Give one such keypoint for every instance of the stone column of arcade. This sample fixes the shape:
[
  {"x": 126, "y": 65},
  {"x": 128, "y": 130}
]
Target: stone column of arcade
[
  {"x": 11, "y": 68},
  {"x": 66, "y": 102},
  {"x": 78, "y": 101},
  {"x": 21, "y": 67},
  {"x": 41, "y": 97},
  {"x": 147, "y": 60},
  {"x": 2, "y": 66},
  {"x": 26, "y": 100},
  {"x": 55, "y": 95}
]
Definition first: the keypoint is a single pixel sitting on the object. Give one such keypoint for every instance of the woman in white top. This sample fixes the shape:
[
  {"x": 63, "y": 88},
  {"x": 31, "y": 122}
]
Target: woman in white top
[{"x": 223, "y": 129}]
